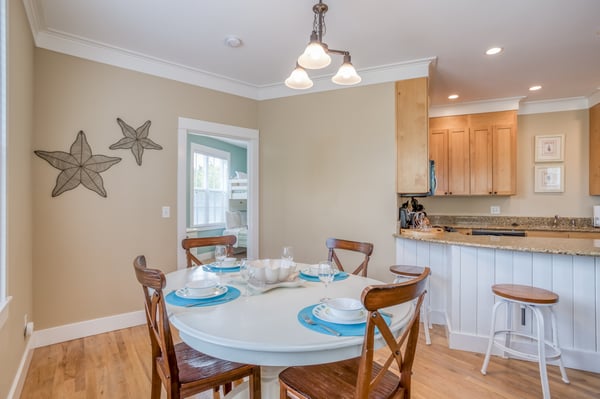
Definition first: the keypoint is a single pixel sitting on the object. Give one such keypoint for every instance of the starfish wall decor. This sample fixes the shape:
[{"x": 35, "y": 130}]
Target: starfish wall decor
[
  {"x": 78, "y": 167},
  {"x": 135, "y": 139}
]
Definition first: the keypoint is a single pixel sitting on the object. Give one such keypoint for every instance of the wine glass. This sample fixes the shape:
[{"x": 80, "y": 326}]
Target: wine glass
[
  {"x": 245, "y": 274},
  {"x": 287, "y": 255},
  {"x": 220, "y": 255},
  {"x": 327, "y": 272}
]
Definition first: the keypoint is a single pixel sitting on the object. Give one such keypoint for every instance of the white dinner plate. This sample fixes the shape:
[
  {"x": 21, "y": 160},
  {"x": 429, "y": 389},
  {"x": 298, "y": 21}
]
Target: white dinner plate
[
  {"x": 223, "y": 266},
  {"x": 322, "y": 312},
  {"x": 306, "y": 271},
  {"x": 219, "y": 291}
]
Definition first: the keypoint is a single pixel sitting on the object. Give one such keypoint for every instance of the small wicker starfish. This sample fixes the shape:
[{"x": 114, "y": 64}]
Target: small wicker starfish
[{"x": 135, "y": 139}]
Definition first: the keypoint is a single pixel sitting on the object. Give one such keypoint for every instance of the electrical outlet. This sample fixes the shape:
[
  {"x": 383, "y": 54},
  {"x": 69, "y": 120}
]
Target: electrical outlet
[
  {"x": 495, "y": 210},
  {"x": 166, "y": 211}
]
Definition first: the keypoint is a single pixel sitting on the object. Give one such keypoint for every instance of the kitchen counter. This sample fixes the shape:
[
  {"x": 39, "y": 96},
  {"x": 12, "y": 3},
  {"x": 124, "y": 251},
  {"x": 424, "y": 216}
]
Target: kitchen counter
[
  {"x": 517, "y": 223},
  {"x": 464, "y": 267},
  {"x": 571, "y": 246}
]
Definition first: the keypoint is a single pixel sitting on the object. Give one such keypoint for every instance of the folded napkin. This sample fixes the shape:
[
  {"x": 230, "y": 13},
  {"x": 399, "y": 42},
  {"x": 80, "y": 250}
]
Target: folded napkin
[
  {"x": 338, "y": 277},
  {"x": 347, "y": 330},
  {"x": 231, "y": 294},
  {"x": 213, "y": 267}
]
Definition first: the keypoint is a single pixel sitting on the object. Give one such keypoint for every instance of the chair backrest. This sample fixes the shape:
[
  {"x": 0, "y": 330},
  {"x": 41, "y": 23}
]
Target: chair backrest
[
  {"x": 366, "y": 248},
  {"x": 189, "y": 243},
  {"x": 374, "y": 298},
  {"x": 163, "y": 350}
]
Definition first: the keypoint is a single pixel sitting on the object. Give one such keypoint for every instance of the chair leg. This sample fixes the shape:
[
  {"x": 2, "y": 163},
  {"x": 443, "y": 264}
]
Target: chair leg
[
  {"x": 488, "y": 353},
  {"x": 426, "y": 323}
]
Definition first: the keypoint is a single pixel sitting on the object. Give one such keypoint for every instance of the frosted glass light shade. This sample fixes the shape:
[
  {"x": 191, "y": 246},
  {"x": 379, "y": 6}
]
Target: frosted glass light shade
[
  {"x": 314, "y": 56},
  {"x": 346, "y": 75},
  {"x": 298, "y": 79}
]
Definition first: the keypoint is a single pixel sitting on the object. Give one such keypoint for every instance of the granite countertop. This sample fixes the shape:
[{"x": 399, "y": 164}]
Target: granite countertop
[
  {"x": 517, "y": 223},
  {"x": 571, "y": 246}
]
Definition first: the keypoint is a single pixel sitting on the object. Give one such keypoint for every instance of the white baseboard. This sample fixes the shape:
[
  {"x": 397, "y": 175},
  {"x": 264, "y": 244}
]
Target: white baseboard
[
  {"x": 86, "y": 328},
  {"x": 19, "y": 380}
]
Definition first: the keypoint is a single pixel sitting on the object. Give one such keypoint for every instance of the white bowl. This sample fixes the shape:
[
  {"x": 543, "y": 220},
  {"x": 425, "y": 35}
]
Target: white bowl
[
  {"x": 201, "y": 287},
  {"x": 345, "y": 308},
  {"x": 229, "y": 262}
]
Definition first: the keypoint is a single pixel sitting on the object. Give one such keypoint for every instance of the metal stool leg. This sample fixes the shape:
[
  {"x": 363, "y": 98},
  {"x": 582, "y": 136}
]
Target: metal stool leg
[
  {"x": 541, "y": 350},
  {"x": 563, "y": 372},
  {"x": 488, "y": 353}
]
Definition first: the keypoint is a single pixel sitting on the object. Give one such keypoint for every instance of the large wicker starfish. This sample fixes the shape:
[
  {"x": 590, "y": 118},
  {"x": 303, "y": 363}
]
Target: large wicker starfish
[
  {"x": 135, "y": 139},
  {"x": 78, "y": 167}
]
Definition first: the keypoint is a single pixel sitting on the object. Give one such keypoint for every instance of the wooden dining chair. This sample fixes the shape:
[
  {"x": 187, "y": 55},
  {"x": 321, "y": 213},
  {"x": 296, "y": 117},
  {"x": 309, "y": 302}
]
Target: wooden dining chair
[
  {"x": 362, "y": 377},
  {"x": 335, "y": 244},
  {"x": 189, "y": 243},
  {"x": 182, "y": 370}
]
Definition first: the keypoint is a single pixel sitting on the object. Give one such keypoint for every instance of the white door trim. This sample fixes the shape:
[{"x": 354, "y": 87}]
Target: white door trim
[{"x": 186, "y": 126}]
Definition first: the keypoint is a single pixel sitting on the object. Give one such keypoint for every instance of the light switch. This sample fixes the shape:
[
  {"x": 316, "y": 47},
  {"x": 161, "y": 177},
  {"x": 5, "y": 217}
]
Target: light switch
[{"x": 166, "y": 211}]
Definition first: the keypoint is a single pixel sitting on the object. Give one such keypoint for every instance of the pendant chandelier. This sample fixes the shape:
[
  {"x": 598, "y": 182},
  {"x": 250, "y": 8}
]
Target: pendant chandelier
[{"x": 316, "y": 56}]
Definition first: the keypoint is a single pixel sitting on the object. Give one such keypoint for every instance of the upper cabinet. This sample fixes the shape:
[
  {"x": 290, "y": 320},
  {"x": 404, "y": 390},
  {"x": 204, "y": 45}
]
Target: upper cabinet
[
  {"x": 595, "y": 150},
  {"x": 412, "y": 137},
  {"x": 475, "y": 154}
]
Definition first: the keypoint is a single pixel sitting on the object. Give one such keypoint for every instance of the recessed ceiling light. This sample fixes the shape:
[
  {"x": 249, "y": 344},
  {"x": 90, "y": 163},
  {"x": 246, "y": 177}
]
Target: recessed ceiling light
[
  {"x": 233, "y": 41},
  {"x": 535, "y": 88},
  {"x": 494, "y": 50},
  {"x": 452, "y": 96}
]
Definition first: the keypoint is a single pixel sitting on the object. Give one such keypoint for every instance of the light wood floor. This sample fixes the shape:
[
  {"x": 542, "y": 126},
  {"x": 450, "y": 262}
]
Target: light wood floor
[{"x": 116, "y": 365}]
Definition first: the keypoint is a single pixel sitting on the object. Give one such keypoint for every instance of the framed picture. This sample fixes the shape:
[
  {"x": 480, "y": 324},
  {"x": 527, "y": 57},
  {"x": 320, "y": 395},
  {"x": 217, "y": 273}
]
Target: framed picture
[
  {"x": 549, "y": 148},
  {"x": 549, "y": 178}
]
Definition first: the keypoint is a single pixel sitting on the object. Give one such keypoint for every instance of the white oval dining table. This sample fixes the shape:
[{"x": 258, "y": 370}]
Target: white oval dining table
[{"x": 263, "y": 328}]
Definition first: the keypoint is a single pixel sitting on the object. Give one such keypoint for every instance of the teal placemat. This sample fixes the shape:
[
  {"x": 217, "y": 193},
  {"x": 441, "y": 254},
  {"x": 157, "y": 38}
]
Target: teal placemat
[
  {"x": 347, "y": 330},
  {"x": 338, "y": 277},
  {"x": 231, "y": 294}
]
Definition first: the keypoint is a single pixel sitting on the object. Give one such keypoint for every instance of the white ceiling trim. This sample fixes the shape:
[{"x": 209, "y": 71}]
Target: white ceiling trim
[
  {"x": 502, "y": 104},
  {"x": 100, "y": 52}
]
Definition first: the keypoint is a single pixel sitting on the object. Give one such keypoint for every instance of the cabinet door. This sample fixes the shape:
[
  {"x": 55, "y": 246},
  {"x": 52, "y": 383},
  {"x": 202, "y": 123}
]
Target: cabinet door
[
  {"x": 504, "y": 160},
  {"x": 438, "y": 152},
  {"x": 412, "y": 136},
  {"x": 481, "y": 144},
  {"x": 594, "y": 115},
  {"x": 458, "y": 161}
]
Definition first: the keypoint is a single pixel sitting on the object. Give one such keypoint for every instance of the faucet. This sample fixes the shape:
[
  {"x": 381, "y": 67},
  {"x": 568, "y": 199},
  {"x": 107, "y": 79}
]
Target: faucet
[
  {"x": 573, "y": 223},
  {"x": 555, "y": 222}
]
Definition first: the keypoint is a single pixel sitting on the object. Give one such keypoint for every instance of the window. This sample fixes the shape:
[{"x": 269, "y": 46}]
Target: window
[
  {"x": 3, "y": 293},
  {"x": 210, "y": 173}
]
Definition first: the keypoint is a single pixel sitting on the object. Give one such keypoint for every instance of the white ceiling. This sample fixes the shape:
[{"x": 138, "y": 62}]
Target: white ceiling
[{"x": 553, "y": 43}]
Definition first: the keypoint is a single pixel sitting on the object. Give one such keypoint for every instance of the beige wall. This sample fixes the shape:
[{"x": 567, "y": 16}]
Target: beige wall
[
  {"x": 85, "y": 244},
  {"x": 328, "y": 164},
  {"x": 19, "y": 221},
  {"x": 574, "y": 202}
]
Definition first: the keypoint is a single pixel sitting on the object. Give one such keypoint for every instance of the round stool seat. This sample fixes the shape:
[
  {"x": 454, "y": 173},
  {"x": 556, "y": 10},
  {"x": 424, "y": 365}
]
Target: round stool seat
[
  {"x": 408, "y": 271},
  {"x": 524, "y": 293}
]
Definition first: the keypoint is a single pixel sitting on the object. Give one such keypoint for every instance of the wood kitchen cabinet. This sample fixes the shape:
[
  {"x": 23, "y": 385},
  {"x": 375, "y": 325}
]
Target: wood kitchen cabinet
[
  {"x": 493, "y": 153},
  {"x": 475, "y": 154},
  {"x": 449, "y": 149},
  {"x": 412, "y": 139},
  {"x": 595, "y": 150}
]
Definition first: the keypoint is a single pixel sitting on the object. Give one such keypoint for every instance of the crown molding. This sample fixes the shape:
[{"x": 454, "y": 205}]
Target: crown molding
[
  {"x": 475, "y": 107},
  {"x": 101, "y": 52},
  {"x": 594, "y": 98},
  {"x": 557, "y": 105},
  {"x": 381, "y": 74}
]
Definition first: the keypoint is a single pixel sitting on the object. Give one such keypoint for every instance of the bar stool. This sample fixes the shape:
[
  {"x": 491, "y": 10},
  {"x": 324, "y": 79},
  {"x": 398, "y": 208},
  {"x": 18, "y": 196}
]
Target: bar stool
[
  {"x": 405, "y": 272},
  {"x": 535, "y": 299}
]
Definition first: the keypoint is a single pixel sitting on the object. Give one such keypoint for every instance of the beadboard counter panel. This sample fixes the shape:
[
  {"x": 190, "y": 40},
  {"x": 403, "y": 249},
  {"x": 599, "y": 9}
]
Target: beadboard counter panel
[
  {"x": 461, "y": 296},
  {"x": 550, "y": 245}
]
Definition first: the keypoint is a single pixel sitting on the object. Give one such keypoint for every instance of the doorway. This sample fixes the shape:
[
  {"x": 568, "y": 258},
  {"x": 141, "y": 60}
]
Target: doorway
[{"x": 249, "y": 138}]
